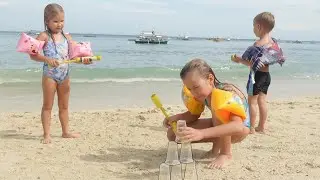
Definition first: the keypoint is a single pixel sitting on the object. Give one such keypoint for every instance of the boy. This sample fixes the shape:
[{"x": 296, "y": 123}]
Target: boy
[{"x": 258, "y": 57}]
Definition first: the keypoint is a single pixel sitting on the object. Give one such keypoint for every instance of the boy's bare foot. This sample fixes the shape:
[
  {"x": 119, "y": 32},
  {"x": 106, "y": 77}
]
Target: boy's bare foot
[
  {"x": 46, "y": 139},
  {"x": 259, "y": 130},
  {"x": 221, "y": 161},
  {"x": 71, "y": 135},
  {"x": 252, "y": 130}
]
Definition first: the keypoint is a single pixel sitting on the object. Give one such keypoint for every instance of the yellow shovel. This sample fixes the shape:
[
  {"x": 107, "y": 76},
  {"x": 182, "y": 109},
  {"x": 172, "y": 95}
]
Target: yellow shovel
[
  {"x": 80, "y": 59},
  {"x": 155, "y": 99}
]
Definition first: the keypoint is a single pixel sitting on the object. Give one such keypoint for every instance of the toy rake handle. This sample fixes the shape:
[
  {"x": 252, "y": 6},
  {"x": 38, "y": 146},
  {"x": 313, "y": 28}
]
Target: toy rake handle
[
  {"x": 80, "y": 59},
  {"x": 155, "y": 99}
]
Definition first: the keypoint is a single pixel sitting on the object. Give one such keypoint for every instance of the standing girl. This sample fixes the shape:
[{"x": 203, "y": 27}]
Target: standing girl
[{"x": 55, "y": 76}]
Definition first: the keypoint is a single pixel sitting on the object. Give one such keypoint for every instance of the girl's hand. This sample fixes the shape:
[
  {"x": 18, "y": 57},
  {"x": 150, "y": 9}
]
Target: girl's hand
[
  {"x": 188, "y": 134},
  {"x": 52, "y": 62},
  {"x": 87, "y": 61},
  {"x": 169, "y": 120}
]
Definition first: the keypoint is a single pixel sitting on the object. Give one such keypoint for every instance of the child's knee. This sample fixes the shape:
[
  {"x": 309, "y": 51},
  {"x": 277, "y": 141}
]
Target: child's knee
[
  {"x": 262, "y": 100},
  {"x": 240, "y": 137},
  {"x": 253, "y": 100},
  {"x": 47, "y": 107},
  {"x": 252, "y": 106},
  {"x": 246, "y": 131},
  {"x": 63, "y": 107}
]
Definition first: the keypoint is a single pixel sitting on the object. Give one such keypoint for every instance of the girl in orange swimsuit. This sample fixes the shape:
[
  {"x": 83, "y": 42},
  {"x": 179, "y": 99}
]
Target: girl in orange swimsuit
[{"x": 229, "y": 123}]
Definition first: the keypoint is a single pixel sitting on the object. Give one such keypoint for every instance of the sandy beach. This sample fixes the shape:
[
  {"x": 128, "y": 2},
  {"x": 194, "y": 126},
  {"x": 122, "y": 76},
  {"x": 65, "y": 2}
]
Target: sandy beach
[
  {"x": 143, "y": 47},
  {"x": 131, "y": 144}
]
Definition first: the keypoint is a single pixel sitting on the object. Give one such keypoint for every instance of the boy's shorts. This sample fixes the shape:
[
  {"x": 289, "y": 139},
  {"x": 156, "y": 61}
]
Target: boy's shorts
[{"x": 262, "y": 83}]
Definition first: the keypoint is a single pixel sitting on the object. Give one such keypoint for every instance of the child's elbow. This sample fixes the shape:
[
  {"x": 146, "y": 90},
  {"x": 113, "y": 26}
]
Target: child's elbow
[
  {"x": 32, "y": 57},
  {"x": 242, "y": 130},
  {"x": 239, "y": 127}
]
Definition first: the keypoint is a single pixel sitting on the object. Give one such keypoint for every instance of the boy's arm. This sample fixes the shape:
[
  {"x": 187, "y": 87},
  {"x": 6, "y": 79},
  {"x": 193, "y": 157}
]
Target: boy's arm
[
  {"x": 238, "y": 59},
  {"x": 235, "y": 126},
  {"x": 259, "y": 64}
]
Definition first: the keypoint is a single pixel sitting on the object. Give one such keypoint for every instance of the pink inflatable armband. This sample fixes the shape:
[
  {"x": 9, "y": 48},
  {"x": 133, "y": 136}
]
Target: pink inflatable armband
[
  {"x": 80, "y": 49},
  {"x": 30, "y": 45}
]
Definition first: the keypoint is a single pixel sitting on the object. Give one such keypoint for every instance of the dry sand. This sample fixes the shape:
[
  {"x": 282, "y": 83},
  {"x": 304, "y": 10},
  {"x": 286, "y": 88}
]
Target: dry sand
[{"x": 131, "y": 144}]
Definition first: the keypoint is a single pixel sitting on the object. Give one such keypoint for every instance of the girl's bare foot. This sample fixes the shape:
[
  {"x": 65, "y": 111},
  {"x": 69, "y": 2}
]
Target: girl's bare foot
[
  {"x": 221, "y": 161},
  {"x": 214, "y": 152},
  {"x": 210, "y": 155},
  {"x": 46, "y": 139},
  {"x": 71, "y": 135},
  {"x": 259, "y": 130}
]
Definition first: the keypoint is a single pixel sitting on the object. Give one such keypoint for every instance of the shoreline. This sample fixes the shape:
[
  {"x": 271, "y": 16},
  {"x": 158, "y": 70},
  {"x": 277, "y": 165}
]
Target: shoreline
[
  {"x": 101, "y": 96},
  {"x": 151, "y": 107}
]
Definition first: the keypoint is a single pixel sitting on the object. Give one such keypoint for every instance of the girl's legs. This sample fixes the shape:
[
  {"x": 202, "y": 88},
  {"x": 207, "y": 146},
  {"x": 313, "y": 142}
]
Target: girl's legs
[
  {"x": 224, "y": 144},
  {"x": 63, "y": 91},
  {"x": 225, "y": 155},
  {"x": 49, "y": 89}
]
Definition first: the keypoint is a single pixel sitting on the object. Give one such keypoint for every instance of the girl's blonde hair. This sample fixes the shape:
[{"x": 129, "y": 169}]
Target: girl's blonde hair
[
  {"x": 205, "y": 70},
  {"x": 51, "y": 11},
  {"x": 201, "y": 67}
]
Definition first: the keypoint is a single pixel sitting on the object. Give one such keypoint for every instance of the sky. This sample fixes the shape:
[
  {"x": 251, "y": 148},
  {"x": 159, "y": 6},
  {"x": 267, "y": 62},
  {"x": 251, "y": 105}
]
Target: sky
[{"x": 295, "y": 19}]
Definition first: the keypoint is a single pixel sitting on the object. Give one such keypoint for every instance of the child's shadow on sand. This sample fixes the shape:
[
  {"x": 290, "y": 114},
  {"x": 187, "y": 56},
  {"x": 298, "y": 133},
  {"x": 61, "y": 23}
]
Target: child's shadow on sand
[
  {"x": 135, "y": 159},
  {"x": 12, "y": 134},
  {"x": 132, "y": 158},
  {"x": 141, "y": 157}
]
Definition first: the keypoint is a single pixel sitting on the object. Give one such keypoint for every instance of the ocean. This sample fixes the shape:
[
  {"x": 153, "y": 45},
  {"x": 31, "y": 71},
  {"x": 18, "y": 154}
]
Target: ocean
[{"x": 129, "y": 73}]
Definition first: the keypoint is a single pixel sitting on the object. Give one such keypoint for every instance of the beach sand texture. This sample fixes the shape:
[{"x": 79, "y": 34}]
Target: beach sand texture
[{"x": 131, "y": 144}]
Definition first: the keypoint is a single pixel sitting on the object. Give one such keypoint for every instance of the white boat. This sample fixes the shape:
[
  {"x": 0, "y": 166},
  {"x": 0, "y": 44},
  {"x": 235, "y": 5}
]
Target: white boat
[
  {"x": 33, "y": 32},
  {"x": 147, "y": 37},
  {"x": 185, "y": 38}
]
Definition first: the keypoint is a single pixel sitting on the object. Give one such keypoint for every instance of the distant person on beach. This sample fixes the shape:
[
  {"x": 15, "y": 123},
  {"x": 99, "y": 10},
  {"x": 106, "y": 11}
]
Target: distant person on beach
[
  {"x": 258, "y": 57},
  {"x": 199, "y": 91},
  {"x": 55, "y": 76}
]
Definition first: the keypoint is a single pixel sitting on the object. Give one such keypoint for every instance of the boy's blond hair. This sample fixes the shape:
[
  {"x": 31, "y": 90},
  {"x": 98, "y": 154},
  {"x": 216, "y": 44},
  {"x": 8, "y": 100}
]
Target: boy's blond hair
[{"x": 265, "y": 19}]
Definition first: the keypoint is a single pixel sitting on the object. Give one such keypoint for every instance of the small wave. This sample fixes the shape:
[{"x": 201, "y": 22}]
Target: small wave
[
  {"x": 33, "y": 70},
  {"x": 129, "y": 80},
  {"x": 14, "y": 81},
  {"x": 174, "y": 69},
  {"x": 307, "y": 76},
  {"x": 225, "y": 68}
]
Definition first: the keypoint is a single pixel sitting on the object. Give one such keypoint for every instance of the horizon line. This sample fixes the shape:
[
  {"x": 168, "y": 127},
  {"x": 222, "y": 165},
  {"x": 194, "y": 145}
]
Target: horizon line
[{"x": 198, "y": 37}]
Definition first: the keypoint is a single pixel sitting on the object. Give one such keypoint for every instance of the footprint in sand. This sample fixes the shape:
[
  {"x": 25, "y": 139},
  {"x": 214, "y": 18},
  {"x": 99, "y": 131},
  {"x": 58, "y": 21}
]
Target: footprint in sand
[
  {"x": 141, "y": 117},
  {"x": 314, "y": 164}
]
